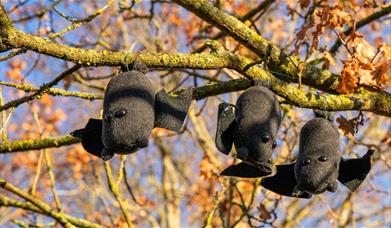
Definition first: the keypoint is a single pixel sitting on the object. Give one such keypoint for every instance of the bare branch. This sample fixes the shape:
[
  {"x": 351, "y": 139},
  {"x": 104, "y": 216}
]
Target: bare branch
[
  {"x": 383, "y": 12},
  {"x": 40, "y": 91}
]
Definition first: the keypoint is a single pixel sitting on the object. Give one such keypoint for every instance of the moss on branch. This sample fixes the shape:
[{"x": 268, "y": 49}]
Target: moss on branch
[
  {"x": 54, "y": 91},
  {"x": 380, "y": 103},
  {"x": 35, "y": 144},
  {"x": 286, "y": 66},
  {"x": 375, "y": 101},
  {"x": 37, "y": 203},
  {"x": 8, "y": 202}
]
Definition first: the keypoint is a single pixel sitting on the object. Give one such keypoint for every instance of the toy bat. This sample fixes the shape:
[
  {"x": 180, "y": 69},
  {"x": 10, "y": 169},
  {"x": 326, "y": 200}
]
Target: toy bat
[
  {"x": 252, "y": 127},
  {"x": 131, "y": 109},
  {"x": 318, "y": 165}
]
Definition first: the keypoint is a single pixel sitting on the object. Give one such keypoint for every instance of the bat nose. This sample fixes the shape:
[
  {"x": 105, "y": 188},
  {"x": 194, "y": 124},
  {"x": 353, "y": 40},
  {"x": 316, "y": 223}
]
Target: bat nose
[{"x": 108, "y": 117}]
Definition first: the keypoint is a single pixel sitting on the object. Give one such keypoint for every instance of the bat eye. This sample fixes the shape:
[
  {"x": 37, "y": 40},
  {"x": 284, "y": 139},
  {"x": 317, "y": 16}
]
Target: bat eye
[
  {"x": 306, "y": 161},
  {"x": 322, "y": 158},
  {"x": 274, "y": 144},
  {"x": 120, "y": 113},
  {"x": 265, "y": 138}
]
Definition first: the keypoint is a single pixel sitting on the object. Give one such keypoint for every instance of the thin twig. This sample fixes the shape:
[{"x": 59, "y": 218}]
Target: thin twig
[
  {"x": 12, "y": 54},
  {"x": 40, "y": 91},
  {"x": 54, "y": 91},
  {"x": 8, "y": 202},
  {"x": 114, "y": 188},
  {"x": 77, "y": 23},
  {"x": 39, "y": 204},
  {"x": 361, "y": 23}
]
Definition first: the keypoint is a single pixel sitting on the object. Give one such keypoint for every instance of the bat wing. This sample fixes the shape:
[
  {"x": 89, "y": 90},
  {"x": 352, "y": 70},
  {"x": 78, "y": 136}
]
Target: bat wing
[
  {"x": 244, "y": 170},
  {"x": 225, "y": 128},
  {"x": 283, "y": 182},
  {"x": 352, "y": 172},
  {"x": 170, "y": 112},
  {"x": 91, "y": 136}
]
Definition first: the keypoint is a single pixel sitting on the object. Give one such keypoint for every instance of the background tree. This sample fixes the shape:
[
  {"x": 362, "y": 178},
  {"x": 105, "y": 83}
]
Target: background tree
[{"x": 57, "y": 56}]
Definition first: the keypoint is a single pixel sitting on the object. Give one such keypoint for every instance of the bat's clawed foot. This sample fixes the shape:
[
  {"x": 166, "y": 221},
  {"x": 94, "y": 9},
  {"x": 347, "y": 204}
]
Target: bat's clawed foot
[
  {"x": 106, "y": 154},
  {"x": 297, "y": 191},
  {"x": 332, "y": 187},
  {"x": 370, "y": 152}
]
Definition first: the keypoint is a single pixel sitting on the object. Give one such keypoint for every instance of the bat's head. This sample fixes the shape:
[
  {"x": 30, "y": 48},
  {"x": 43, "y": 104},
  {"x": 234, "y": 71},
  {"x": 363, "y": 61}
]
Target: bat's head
[
  {"x": 258, "y": 118},
  {"x": 128, "y": 113},
  {"x": 318, "y": 159}
]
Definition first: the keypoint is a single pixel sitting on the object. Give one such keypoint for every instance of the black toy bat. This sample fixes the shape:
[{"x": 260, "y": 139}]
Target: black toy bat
[
  {"x": 131, "y": 109},
  {"x": 318, "y": 165},
  {"x": 252, "y": 127}
]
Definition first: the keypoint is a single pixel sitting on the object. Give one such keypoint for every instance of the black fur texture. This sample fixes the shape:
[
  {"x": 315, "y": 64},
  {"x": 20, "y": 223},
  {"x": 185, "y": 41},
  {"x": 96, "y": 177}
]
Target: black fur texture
[
  {"x": 128, "y": 113},
  {"x": 318, "y": 165},
  {"x": 131, "y": 109},
  {"x": 251, "y": 128}
]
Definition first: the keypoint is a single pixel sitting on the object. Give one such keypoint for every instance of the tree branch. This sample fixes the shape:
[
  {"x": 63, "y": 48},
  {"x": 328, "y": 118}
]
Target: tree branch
[
  {"x": 40, "y": 91},
  {"x": 8, "y": 202},
  {"x": 361, "y": 23},
  {"x": 376, "y": 101},
  {"x": 54, "y": 91},
  {"x": 37, "y": 203},
  {"x": 285, "y": 66},
  {"x": 35, "y": 144}
]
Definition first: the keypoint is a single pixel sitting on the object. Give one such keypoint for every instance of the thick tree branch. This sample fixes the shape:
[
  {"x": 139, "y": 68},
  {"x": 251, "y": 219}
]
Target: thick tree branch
[
  {"x": 379, "y": 103},
  {"x": 264, "y": 5},
  {"x": 24, "y": 145},
  {"x": 286, "y": 67},
  {"x": 364, "y": 100}
]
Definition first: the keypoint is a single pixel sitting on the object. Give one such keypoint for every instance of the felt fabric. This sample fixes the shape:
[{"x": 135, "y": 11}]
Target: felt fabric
[
  {"x": 170, "y": 112},
  {"x": 319, "y": 140},
  {"x": 318, "y": 165},
  {"x": 352, "y": 172},
  {"x": 284, "y": 182},
  {"x": 128, "y": 113},
  {"x": 225, "y": 128},
  {"x": 91, "y": 136},
  {"x": 247, "y": 171},
  {"x": 257, "y": 116},
  {"x": 254, "y": 128}
]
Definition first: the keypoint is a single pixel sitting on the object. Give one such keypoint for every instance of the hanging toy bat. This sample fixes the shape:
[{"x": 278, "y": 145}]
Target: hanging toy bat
[
  {"x": 318, "y": 165},
  {"x": 131, "y": 109},
  {"x": 252, "y": 127}
]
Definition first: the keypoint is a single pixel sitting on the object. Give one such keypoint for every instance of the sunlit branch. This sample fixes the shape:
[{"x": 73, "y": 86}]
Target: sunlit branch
[
  {"x": 77, "y": 23},
  {"x": 40, "y": 91},
  {"x": 383, "y": 12},
  {"x": 114, "y": 188},
  {"x": 36, "y": 144},
  {"x": 12, "y": 54},
  {"x": 54, "y": 91},
  {"x": 8, "y": 202},
  {"x": 37, "y": 203}
]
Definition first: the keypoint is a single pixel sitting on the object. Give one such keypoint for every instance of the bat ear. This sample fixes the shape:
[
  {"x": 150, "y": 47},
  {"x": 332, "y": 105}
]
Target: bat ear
[
  {"x": 352, "y": 172},
  {"x": 284, "y": 182},
  {"x": 170, "y": 112},
  {"x": 91, "y": 137},
  {"x": 244, "y": 170},
  {"x": 225, "y": 128}
]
